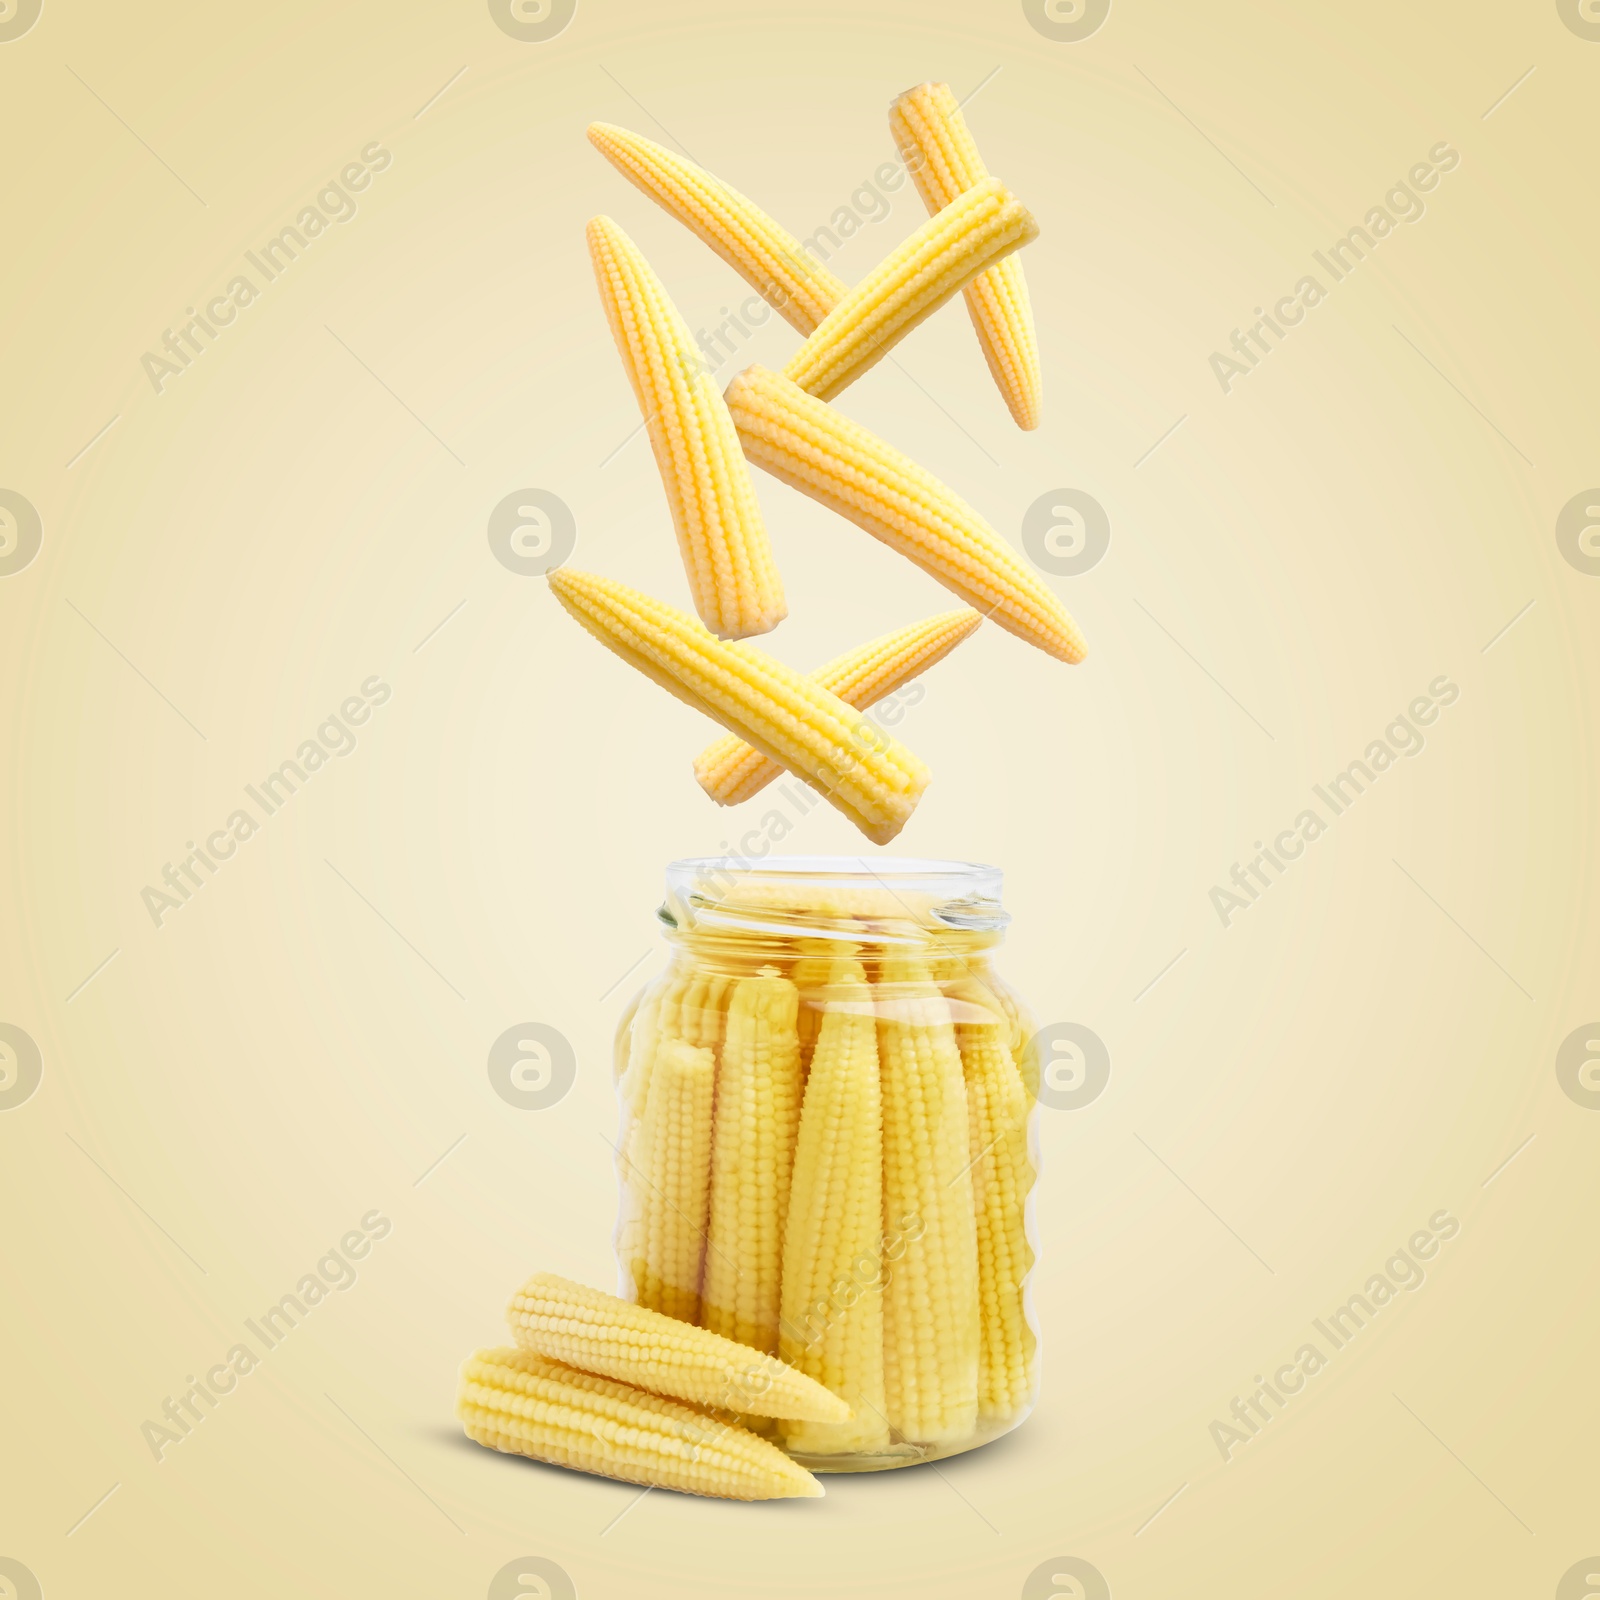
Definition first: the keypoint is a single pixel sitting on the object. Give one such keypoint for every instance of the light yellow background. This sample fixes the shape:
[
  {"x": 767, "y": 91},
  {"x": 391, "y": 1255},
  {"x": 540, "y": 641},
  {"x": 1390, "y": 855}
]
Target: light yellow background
[{"x": 304, "y": 1040}]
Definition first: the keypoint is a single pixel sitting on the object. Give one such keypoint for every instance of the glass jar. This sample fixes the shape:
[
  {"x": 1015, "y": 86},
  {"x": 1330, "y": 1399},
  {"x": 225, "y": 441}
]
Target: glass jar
[{"x": 827, "y": 1144}]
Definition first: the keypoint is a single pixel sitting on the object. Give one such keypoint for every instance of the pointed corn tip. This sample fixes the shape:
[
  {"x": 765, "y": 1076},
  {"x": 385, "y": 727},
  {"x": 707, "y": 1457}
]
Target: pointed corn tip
[{"x": 567, "y": 584}]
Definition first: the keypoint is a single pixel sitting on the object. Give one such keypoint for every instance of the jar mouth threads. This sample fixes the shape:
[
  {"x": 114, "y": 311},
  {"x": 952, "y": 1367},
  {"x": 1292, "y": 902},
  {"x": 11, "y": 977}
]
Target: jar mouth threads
[{"x": 882, "y": 900}]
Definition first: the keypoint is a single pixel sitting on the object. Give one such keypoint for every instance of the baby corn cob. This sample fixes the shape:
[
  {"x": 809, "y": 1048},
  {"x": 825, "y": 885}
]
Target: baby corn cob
[
  {"x": 685, "y": 1007},
  {"x": 930, "y": 1309},
  {"x": 523, "y": 1404},
  {"x": 596, "y": 1332},
  {"x": 811, "y": 446},
  {"x": 1002, "y": 1174},
  {"x": 674, "y": 1161},
  {"x": 832, "y": 1325},
  {"x": 865, "y": 774},
  {"x": 720, "y": 532},
  {"x": 811, "y": 974},
  {"x": 771, "y": 261},
  {"x": 752, "y": 1156},
  {"x": 730, "y": 771},
  {"x": 943, "y": 161},
  {"x": 1022, "y": 1027},
  {"x": 978, "y": 227}
]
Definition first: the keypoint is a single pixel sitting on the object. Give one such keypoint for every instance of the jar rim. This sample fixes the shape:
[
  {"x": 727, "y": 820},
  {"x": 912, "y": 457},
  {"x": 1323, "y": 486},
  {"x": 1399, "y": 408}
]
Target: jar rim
[
  {"x": 954, "y": 894},
  {"x": 923, "y": 873}
]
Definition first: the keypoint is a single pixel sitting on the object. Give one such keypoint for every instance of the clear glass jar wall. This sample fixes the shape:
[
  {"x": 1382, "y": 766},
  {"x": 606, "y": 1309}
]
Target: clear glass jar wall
[{"x": 827, "y": 1144}]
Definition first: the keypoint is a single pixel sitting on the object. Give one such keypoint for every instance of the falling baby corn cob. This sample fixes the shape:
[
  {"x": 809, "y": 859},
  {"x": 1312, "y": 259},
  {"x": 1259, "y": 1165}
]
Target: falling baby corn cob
[
  {"x": 809, "y": 445},
  {"x": 770, "y": 260},
  {"x": 596, "y": 1332},
  {"x": 721, "y": 536},
  {"x": 931, "y": 1323},
  {"x": 752, "y": 1156},
  {"x": 730, "y": 771},
  {"x": 933, "y": 141},
  {"x": 832, "y": 1322},
  {"x": 527, "y": 1405},
  {"x": 979, "y": 226},
  {"x": 868, "y": 776}
]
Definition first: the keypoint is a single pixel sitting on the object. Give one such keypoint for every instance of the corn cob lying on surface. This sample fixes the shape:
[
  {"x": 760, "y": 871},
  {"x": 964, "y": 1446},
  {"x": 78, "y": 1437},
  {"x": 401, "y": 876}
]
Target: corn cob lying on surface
[
  {"x": 730, "y": 771},
  {"x": 934, "y": 143},
  {"x": 770, "y": 260},
  {"x": 599, "y": 1333},
  {"x": 819, "y": 451},
  {"x": 525, "y": 1404},
  {"x": 788, "y": 717},
  {"x": 721, "y": 536}
]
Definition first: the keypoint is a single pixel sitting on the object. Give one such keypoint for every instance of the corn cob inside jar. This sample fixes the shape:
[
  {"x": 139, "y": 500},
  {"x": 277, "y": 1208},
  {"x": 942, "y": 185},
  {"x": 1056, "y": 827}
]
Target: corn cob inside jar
[{"x": 827, "y": 1145}]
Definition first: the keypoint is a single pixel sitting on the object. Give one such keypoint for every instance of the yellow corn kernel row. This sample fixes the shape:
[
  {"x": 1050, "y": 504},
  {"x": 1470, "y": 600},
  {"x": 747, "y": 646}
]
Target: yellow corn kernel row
[
  {"x": 721, "y": 536},
  {"x": 812, "y": 974},
  {"x": 862, "y": 772},
  {"x": 770, "y": 260},
  {"x": 932, "y": 137},
  {"x": 685, "y": 1005},
  {"x": 979, "y": 995},
  {"x": 1022, "y": 1029},
  {"x": 673, "y": 1161},
  {"x": 731, "y": 772},
  {"x": 832, "y": 1323},
  {"x": 1002, "y": 1174},
  {"x": 979, "y": 227},
  {"x": 662, "y": 1225},
  {"x": 752, "y": 1155},
  {"x": 931, "y": 1302},
  {"x": 596, "y": 1332},
  {"x": 812, "y": 447},
  {"x": 688, "y": 1005},
  {"x": 524, "y": 1404}
]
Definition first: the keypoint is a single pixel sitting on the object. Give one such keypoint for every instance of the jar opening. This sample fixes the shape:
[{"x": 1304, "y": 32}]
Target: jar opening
[{"x": 899, "y": 898}]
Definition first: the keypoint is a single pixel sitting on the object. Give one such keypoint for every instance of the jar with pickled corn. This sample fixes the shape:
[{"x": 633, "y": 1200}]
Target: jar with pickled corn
[{"x": 827, "y": 1144}]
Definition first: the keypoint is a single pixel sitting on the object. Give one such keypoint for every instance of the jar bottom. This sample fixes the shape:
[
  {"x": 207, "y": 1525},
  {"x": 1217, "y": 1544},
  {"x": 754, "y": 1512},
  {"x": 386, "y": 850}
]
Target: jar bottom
[{"x": 907, "y": 1454}]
